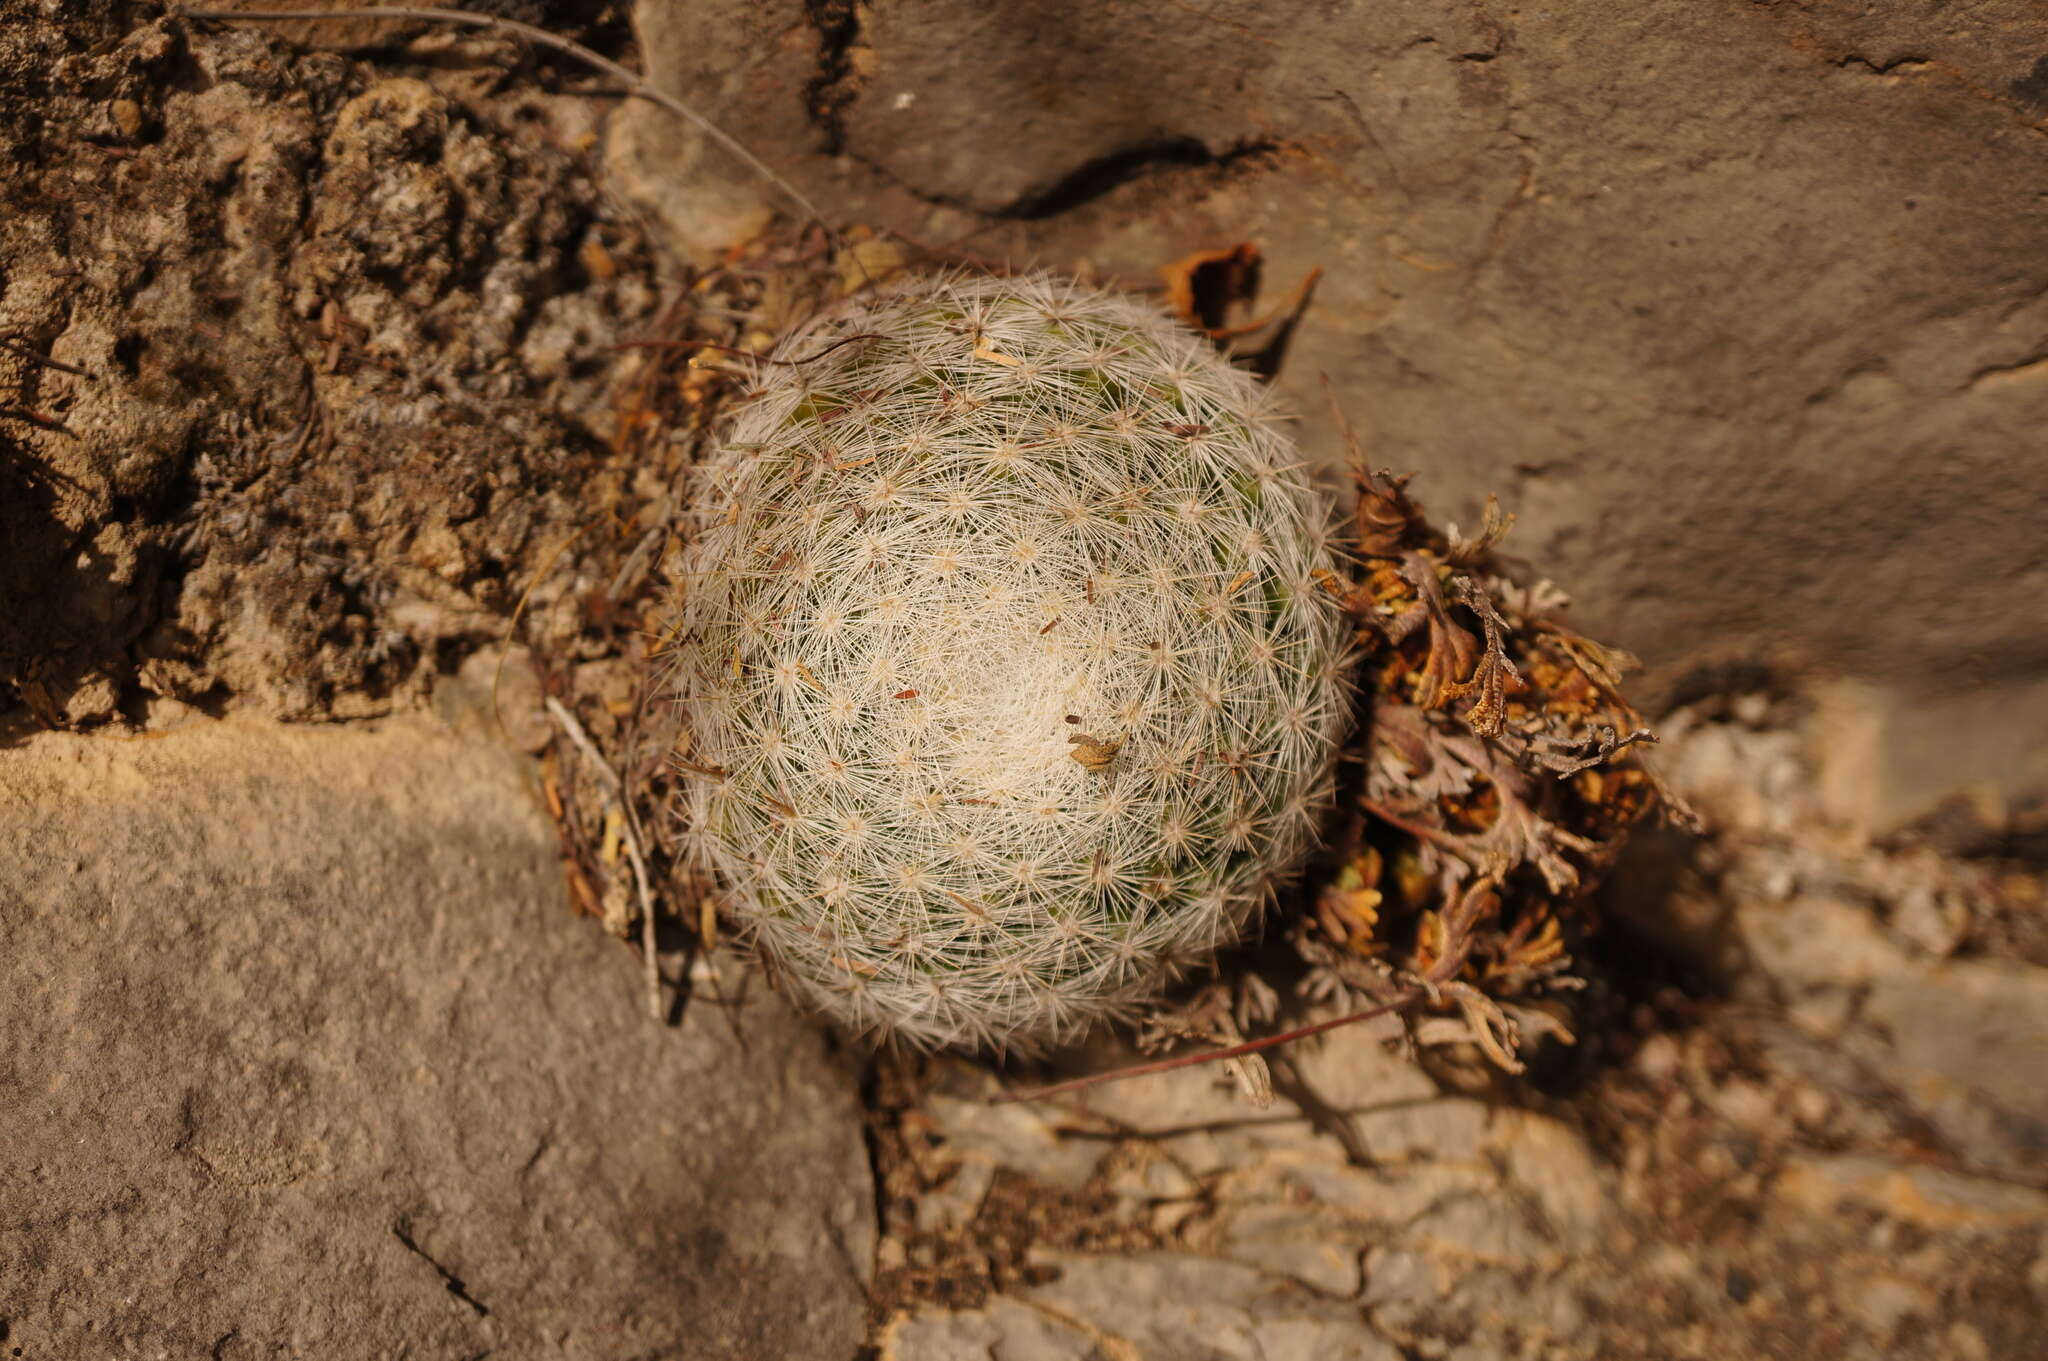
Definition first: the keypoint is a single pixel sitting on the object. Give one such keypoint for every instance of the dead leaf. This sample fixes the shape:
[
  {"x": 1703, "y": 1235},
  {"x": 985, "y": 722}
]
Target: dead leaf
[
  {"x": 1094, "y": 755},
  {"x": 1201, "y": 289},
  {"x": 1349, "y": 906},
  {"x": 1493, "y": 527}
]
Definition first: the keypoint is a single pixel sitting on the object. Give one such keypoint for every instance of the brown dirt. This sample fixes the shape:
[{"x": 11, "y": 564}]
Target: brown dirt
[{"x": 345, "y": 381}]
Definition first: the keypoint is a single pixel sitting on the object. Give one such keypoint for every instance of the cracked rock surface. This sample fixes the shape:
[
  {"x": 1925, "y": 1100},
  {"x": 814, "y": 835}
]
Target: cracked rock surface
[
  {"x": 1837, "y": 1150},
  {"x": 307, "y": 1055},
  {"x": 1742, "y": 308}
]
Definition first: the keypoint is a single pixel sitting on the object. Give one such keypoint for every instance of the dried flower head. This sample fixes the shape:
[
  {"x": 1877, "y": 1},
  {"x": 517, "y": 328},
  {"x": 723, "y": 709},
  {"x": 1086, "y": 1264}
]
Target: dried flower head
[{"x": 1010, "y": 686}]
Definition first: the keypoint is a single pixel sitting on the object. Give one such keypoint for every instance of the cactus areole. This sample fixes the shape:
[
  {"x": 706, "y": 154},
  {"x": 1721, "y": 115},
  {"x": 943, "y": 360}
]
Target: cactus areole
[{"x": 1010, "y": 688}]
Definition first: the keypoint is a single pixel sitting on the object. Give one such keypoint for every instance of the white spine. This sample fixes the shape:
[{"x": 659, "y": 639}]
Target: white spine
[{"x": 918, "y": 556}]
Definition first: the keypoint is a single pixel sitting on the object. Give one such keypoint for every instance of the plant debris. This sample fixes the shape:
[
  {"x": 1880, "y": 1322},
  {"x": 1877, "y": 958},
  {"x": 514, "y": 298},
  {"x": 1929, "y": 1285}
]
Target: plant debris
[
  {"x": 1497, "y": 782},
  {"x": 610, "y": 776}
]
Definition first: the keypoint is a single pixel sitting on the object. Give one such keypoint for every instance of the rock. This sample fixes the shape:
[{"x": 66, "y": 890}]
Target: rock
[
  {"x": 746, "y": 65},
  {"x": 307, "y": 1054},
  {"x": 1932, "y": 1197},
  {"x": 1365, "y": 1209},
  {"x": 1816, "y": 942},
  {"x": 1281, "y": 1240},
  {"x": 995, "y": 1136},
  {"x": 1966, "y": 1044},
  {"x": 1272, "y": 1240},
  {"x": 1564, "y": 261},
  {"x": 1394, "y": 1112},
  {"x": 1021, "y": 1332},
  {"x": 1551, "y": 1162},
  {"x": 1146, "y": 1306},
  {"x": 1949, "y": 1047}
]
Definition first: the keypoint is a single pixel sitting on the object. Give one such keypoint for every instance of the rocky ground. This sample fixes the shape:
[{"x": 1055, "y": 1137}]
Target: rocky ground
[
  {"x": 308, "y": 1051},
  {"x": 308, "y": 1056},
  {"x": 308, "y": 405},
  {"x": 1809, "y": 1119}
]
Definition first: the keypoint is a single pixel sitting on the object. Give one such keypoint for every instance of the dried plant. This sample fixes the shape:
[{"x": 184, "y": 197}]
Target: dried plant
[
  {"x": 1497, "y": 783},
  {"x": 1010, "y": 684}
]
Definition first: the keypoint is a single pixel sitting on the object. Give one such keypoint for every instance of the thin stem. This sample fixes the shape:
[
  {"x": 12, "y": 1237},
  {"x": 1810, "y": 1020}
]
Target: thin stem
[
  {"x": 1406, "y": 999},
  {"x": 10, "y": 343},
  {"x": 37, "y": 418},
  {"x": 744, "y": 354},
  {"x": 1419, "y": 831},
  {"x": 650, "y": 962}
]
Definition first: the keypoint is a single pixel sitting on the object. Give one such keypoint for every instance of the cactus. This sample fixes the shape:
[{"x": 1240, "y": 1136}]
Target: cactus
[{"x": 1010, "y": 686}]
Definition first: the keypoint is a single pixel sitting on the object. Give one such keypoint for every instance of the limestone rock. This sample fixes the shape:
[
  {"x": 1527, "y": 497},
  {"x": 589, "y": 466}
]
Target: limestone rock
[
  {"x": 1752, "y": 342},
  {"x": 307, "y": 1054}
]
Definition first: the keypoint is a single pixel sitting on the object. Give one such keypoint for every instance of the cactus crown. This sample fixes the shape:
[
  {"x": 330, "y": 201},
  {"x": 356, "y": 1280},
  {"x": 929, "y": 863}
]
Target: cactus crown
[{"x": 1010, "y": 687}]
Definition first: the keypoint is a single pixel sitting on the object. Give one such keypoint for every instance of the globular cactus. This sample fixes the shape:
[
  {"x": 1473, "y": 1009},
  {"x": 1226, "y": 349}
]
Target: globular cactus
[{"x": 1010, "y": 686}]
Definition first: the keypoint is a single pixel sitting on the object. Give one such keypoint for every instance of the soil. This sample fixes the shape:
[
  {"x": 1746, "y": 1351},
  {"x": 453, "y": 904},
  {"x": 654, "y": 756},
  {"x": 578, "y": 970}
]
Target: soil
[{"x": 334, "y": 370}]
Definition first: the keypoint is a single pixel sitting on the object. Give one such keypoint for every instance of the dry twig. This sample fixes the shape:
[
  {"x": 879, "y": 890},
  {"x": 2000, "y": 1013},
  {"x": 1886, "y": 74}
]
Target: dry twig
[
  {"x": 630, "y": 830},
  {"x": 541, "y": 38}
]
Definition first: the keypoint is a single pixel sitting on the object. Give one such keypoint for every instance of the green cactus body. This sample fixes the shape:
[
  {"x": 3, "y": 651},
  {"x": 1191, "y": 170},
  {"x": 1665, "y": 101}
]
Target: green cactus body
[{"x": 1010, "y": 687}]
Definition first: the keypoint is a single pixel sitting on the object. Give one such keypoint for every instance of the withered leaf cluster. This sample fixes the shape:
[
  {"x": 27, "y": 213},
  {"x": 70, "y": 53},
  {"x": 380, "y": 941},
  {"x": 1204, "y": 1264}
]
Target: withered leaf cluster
[{"x": 1496, "y": 778}]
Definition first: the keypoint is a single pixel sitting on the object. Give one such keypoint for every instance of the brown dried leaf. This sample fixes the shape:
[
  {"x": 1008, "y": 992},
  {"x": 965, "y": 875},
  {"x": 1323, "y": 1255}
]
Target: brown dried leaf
[
  {"x": 1494, "y": 527},
  {"x": 1493, "y": 673},
  {"x": 1201, "y": 289},
  {"x": 1349, "y": 906},
  {"x": 1384, "y": 516},
  {"x": 1093, "y": 754}
]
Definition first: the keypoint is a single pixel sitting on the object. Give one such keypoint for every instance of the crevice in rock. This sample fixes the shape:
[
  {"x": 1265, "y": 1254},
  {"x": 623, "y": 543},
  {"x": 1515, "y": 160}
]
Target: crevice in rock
[
  {"x": 448, "y": 1278},
  {"x": 2019, "y": 109},
  {"x": 831, "y": 91},
  {"x": 1093, "y": 179},
  {"x": 879, "y": 1110},
  {"x": 1895, "y": 66},
  {"x": 2034, "y": 365}
]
